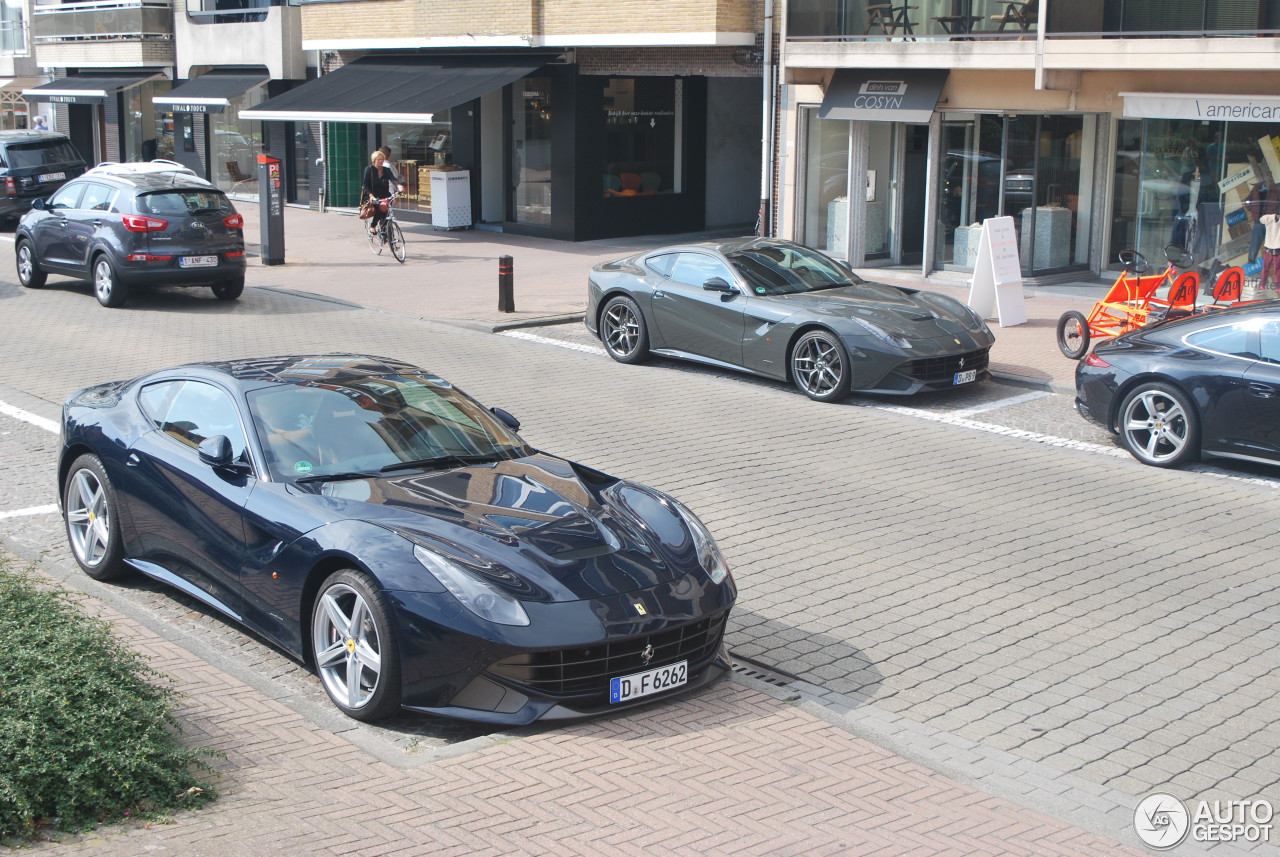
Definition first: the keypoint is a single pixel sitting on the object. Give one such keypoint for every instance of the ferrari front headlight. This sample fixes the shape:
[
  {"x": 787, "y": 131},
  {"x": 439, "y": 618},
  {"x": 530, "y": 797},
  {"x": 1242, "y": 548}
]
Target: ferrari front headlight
[
  {"x": 490, "y": 604},
  {"x": 709, "y": 555}
]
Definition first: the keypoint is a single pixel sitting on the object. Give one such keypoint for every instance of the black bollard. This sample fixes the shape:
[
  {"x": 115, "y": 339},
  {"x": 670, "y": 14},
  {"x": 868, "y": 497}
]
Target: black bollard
[{"x": 506, "y": 297}]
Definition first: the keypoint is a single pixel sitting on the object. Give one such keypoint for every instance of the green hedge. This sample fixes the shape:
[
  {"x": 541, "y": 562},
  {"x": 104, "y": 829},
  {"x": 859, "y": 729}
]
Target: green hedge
[{"x": 87, "y": 732}]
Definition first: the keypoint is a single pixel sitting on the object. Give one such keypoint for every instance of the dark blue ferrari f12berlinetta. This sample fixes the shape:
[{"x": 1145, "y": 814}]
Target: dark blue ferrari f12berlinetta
[{"x": 382, "y": 526}]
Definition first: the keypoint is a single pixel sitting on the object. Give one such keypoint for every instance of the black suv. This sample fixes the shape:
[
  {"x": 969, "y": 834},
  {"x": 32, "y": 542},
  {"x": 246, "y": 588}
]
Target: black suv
[
  {"x": 34, "y": 164},
  {"x": 141, "y": 224}
]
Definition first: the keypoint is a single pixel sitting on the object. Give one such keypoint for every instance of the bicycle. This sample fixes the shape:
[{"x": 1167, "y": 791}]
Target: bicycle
[{"x": 388, "y": 233}]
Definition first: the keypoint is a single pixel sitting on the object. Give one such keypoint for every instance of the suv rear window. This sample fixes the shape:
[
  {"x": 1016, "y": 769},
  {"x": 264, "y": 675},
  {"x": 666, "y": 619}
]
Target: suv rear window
[
  {"x": 180, "y": 202},
  {"x": 41, "y": 154}
]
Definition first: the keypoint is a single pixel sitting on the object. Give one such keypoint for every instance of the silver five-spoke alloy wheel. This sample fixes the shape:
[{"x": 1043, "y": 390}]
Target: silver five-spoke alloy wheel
[
  {"x": 354, "y": 647},
  {"x": 88, "y": 505},
  {"x": 106, "y": 287},
  {"x": 1158, "y": 426}
]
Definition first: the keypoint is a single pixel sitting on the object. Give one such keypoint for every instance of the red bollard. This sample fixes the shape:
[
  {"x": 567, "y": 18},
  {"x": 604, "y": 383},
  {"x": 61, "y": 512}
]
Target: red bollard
[{"x": 506, "y": 297}]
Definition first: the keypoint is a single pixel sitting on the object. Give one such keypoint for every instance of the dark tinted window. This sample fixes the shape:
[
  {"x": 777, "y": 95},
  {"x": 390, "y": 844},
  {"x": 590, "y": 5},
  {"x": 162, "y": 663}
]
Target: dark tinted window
[
  {"x": 784, "y": 270},
  {"x": 41, "y": 154},
  {"x": 1235, "y": 339},
  {"x": 176, "y": 203}
]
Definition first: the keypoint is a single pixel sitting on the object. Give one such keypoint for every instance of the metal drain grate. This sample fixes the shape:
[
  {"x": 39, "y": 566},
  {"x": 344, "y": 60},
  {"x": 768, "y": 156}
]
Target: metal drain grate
[{"x": 760, "y": 672}]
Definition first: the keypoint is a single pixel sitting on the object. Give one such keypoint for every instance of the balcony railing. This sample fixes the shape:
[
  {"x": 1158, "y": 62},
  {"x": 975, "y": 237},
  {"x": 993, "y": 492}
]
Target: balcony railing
[
  {"x": 906, "y": 20},
  {"x": 96, "y": 20},
  {"x": 232, "y": 11}
]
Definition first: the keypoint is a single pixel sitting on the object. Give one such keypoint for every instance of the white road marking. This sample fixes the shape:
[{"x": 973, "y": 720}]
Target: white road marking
[
  {"x": 28, "y": 417},
  {"x": 533, "y": 337},
  {"x": 1003, "y": 403},
  {"x": 33, "y": 510}
]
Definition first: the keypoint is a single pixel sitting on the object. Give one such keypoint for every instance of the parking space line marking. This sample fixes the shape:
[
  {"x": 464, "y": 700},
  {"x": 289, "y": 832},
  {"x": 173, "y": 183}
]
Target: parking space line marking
[
  {"x": 28, "y": 417},
  {"x": 32, "y": 510},
  {"x": 1031, "y": 396},
  {"x": 543, "y": 340}
]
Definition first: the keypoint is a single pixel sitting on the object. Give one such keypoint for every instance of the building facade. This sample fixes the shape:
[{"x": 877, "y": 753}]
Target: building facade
[{"x": 1098, "y": 126}]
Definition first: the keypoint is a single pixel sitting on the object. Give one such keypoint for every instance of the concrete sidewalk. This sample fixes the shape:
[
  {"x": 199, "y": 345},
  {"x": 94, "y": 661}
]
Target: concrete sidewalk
[{"x": 453, "y": 276}]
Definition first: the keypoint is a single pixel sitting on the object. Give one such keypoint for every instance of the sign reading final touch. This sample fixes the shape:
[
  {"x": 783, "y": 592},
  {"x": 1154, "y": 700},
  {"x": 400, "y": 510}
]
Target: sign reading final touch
[
  {"x": 1168, "y": 105},
  {"x": 882, "y": 95}
]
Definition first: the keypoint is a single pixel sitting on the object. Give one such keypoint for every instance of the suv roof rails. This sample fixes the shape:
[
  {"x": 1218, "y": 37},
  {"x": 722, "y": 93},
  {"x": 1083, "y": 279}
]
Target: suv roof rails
[{"x": 159, "y": 165}]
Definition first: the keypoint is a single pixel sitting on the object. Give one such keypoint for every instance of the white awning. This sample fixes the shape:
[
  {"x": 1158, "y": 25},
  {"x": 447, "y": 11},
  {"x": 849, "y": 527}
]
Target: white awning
[{"x": 1210, "y": 108}]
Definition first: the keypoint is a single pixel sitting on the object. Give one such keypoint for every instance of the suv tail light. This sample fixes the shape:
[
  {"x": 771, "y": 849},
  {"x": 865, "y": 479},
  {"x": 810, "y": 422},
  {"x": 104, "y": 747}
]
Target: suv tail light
[
  {"x": 233, "y": 221},
  {"x": 9, "y": 186},
  {"x": 138, "y": 223}
]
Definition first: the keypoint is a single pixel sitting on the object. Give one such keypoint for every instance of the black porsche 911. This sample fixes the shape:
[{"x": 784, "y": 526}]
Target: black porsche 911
[
  {"x": 377, "y": 523},
  {"x": 784, "y": 311},
  {"x": 1208, "y": 384}
]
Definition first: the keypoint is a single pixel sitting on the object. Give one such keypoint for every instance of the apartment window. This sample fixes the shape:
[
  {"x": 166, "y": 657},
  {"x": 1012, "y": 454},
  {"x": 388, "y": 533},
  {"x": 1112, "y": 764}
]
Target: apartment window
[{"x": 13, "y": 29}]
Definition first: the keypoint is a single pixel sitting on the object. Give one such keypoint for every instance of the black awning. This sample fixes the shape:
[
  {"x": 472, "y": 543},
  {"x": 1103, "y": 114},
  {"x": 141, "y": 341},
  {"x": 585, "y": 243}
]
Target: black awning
[
  {"x": 211, "y": 92},
  {"x": 882, "y": 95},
  {"x": 406, "y": 89},
  {"x": 86, "y": 88}
]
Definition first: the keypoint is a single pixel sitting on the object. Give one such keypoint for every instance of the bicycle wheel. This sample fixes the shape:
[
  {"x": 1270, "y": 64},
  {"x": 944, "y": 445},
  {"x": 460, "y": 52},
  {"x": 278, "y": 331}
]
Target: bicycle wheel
[
  {"x": 395, "y": 239},
  {"x": 375, "y": 243}
]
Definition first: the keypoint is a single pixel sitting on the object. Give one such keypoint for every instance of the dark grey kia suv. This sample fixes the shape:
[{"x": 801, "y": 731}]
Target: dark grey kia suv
[{"x": 141, "y": 224}]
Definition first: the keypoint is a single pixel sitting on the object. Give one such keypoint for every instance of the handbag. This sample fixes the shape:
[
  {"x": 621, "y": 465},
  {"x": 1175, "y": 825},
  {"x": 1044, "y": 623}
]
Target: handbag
[{"x": 366, "y": 209}]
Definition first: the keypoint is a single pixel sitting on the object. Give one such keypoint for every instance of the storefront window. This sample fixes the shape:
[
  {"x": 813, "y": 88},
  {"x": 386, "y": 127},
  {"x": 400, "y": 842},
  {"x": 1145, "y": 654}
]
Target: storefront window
[
  {"x": 880, "y": 159},
  {"x": 235, "y": 143},
  {"x": 531, "y": 151},
  {"x": 641, "y": 135},
  {"x": 148, "y": 130},
  {"x": 826, "y": 187},
  {"x": 416, "y": 150}
]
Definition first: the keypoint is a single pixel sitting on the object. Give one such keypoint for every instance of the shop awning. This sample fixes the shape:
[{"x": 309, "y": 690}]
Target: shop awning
[
  {"x": 86, "y": 88},
  {"x": 882, "y": 95},
  {"x": 211, "y": 92},
  {"x": 406, "y": 89},
  {"x": 1176, "y": 105}
]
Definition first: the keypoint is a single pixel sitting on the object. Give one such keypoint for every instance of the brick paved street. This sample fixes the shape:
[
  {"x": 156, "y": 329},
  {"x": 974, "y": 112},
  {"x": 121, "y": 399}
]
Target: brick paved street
[{"x": 1053, "y": 627}]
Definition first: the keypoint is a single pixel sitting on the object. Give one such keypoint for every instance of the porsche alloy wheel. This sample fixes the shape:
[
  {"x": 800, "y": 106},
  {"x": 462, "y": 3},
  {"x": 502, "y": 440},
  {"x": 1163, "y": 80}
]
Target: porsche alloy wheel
[
  {"x": 354, "y": 646},
  {"x": 1159, "y": 426},
  {"x": 623, "y": 331},
  {"x": 89, "y": 504},
  {"x": 820, "y": 366}
]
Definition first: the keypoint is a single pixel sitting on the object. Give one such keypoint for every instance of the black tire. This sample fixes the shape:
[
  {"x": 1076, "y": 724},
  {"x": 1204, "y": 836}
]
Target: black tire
[
  {"x": 820, "y": 366},
  {"x": 623, "y": 330},
  {"x": 29, "y": 273},
  {"x": 1159, "y": 425},
  {"x": 1073, "y": 334},
  {"x": 395, "y": 238},
  {"x": 345, "y": 656},
  {"x": 229, "y": 290},
  {"x": 107, "y": 288},
  {"x": 90, "y": 511}
]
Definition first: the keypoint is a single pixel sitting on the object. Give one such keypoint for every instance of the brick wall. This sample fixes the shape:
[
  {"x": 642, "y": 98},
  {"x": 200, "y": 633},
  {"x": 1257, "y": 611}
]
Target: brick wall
[
  {"x": 710, "y": 62},
  {"x": 118, "y": 52}
]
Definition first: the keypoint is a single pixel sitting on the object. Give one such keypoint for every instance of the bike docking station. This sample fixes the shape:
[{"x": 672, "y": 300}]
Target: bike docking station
[
  {"x": 996, "y": 286},
  {"x": 270, "y": 210}
]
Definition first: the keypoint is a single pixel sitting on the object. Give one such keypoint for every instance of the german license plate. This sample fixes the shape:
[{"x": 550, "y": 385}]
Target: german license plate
[
  {"x": 51, "y": 177},
  {"x": 649, "y": 681},
  {"x": 966, "y": 377},
  {"x": 197, "y": 261}
]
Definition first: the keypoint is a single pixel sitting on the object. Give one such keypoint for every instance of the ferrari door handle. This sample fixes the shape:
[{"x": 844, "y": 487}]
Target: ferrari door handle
[
  {"x": 133, "y": 460},
  {"x": 659, "y": 294}
]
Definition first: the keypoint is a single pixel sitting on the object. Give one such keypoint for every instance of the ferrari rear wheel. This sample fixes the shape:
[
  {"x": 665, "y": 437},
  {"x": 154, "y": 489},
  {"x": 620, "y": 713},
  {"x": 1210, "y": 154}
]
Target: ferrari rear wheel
[
  {"x": 623, "y": 331},
  {"x": 354, "y": 646},
  {"x": 89, "y": 506},
  {"x": 1073, "y": 334},
  {"x": 820, "y": 366}
]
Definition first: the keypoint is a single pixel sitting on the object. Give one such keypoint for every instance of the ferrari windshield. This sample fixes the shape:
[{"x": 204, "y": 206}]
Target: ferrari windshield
[
  {"x": 785, "y": 270},
  {"x": 377, "y": 423}
]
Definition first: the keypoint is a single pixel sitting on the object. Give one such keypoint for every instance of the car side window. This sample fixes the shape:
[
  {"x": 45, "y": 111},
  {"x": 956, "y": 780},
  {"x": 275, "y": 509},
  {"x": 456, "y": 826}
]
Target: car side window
[
  {"x": 662, "y": 263},
  {"x": 1234, "y": 340},
  {"x": 97, "y": 197},
  {"x": 696, "y": 268},
  {"x": 67, "y": 196},
  {"x": 1269, "y": 341},
  {"x": 192, "y": 411}
]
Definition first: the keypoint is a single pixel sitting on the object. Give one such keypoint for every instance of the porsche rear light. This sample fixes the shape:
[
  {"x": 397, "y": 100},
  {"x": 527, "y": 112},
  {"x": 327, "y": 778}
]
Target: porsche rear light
[
  {"x": 139, "y": 223},
  {"x": 233, "y": 221},
  {"x": 1096, "y": 362}
]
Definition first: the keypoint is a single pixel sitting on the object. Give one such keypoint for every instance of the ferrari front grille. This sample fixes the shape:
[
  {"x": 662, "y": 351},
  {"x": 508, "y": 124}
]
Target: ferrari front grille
[{"x": 932, "y": 370}]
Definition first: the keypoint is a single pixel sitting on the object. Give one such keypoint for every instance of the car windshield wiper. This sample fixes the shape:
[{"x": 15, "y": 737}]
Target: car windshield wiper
[
  {"x": 336, "y": 477},
  {"x": 442, "y": 461}
]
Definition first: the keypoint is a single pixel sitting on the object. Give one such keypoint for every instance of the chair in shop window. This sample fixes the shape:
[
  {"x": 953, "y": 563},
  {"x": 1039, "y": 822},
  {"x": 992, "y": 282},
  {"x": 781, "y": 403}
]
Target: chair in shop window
[
  {"x": 1022, "y": 15},
  {"x": 238, "y": 178}
]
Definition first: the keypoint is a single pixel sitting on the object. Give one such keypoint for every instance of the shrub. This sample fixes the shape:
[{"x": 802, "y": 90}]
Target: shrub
[{"x": 87, "y": 731}]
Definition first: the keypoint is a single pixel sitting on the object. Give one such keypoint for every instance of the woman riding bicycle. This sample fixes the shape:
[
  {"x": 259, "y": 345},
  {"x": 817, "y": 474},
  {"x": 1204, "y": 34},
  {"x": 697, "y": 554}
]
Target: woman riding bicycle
[{"x": 378, "y": 183}]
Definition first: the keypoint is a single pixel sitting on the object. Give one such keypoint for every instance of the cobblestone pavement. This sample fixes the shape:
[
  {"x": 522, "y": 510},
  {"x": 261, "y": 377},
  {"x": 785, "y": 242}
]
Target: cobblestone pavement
[{"x": 1048, "y": 621}]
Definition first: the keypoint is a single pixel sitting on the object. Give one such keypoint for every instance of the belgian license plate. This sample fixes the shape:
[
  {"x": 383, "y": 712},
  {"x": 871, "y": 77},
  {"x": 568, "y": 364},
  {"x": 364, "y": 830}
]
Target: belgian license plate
[
  {"x": 51, "y": 177},
  {"x": 966, "y": 377},
  {"x": 649, "y": 681},
  {"x": 197, "y": 261}
]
